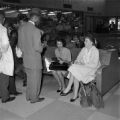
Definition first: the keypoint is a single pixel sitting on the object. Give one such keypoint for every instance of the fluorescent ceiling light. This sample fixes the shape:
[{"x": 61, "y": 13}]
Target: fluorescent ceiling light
[
  {"x": 43, "y": 13},
  {"x": 66, "y": 12},
  {"x": 51, "y": 14},
  {"x": 22, "y": 10},
  {"x": 11, "y": 11},
  {"x": 25, "y": 12},
  {"x": 3, "y": 8}
]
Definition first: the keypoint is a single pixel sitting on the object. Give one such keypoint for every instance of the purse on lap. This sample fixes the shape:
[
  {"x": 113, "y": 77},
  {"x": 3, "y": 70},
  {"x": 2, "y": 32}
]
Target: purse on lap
[{"x": 58, "y": 66}]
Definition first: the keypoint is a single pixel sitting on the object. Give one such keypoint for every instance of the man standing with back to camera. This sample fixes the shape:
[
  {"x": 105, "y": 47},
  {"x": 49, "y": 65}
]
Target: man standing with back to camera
[{"x": 31, "y": 47}]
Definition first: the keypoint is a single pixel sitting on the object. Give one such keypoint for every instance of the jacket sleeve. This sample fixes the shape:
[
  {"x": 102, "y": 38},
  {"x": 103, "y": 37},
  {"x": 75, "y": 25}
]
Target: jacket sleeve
[
  {"x": 37, "y": 41},
  {"x": 94, "y": 59}
]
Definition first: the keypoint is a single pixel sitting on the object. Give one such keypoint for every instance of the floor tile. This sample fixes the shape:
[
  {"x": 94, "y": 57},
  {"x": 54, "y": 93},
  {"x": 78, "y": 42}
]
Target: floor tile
[
  {"x": 24, "y": 108},
  {"x": 61, "y": 111},
  {"x": 56, "y": 107},
  {"x": 101, "y": 116},
  {"x": 118, "y": 92},
  {"x": 112, "y": 106},
  {"x": 76, "y": 103},
  {"x": 7, "y": 115}
]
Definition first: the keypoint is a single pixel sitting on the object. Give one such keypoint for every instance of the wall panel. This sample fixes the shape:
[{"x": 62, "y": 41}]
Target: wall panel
[
  {"x": 97, "y": 5},
  {"x": 112, "y": 8}
]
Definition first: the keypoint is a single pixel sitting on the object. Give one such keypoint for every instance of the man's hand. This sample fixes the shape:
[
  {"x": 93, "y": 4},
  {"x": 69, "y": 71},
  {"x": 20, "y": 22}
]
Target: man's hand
[
  {"x": 61, "y": 61},
  {"x": 44, "y": 44},
  {"x": 76, "y": 62}
]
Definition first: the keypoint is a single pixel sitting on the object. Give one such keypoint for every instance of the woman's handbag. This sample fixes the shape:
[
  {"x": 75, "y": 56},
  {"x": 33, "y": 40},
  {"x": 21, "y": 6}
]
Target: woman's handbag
[
  {"x": 85, "y": 99},
  {"x": 90, "y": 95},
  {"x": 58, "y": 66},
  {"x": 96, "y": 96}
]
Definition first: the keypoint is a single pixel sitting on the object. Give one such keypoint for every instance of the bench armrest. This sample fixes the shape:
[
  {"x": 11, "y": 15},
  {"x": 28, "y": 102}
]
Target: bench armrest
[{"x": 99, "y": 77}]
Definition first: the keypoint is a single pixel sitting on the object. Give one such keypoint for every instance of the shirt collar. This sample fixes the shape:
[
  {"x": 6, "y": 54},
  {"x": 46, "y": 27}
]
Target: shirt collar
[{"x": 32, "y": 22}]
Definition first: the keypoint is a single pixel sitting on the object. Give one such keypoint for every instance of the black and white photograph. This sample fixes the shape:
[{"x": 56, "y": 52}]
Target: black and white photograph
[{"x": 59, "y": 59}]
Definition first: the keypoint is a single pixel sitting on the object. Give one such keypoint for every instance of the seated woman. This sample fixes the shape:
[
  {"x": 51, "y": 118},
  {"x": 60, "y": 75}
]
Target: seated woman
[
  {"x": 62, "y": 54},
  {"x": 84, "y": 67}
]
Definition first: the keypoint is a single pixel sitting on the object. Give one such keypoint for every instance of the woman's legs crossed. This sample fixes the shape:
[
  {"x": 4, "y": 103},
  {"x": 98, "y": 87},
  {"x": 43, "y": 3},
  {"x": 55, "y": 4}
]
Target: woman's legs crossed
[{"x": 57, "y": 78}]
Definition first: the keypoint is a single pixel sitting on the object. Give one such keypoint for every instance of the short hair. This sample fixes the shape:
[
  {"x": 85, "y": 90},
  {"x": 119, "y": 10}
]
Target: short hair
[
  {"x": 91, "y": 38},
  {"x": 34, "y": 13},
  {"x": 58, "y": 39},
  {"x": 22, "y": 17}
]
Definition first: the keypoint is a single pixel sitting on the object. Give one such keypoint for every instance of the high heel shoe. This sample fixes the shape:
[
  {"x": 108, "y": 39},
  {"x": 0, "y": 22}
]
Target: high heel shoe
[
  {"x": 64, "y": 94},
  {"x": 74, "y": 99},
  {"x": 59, "y": 90}
]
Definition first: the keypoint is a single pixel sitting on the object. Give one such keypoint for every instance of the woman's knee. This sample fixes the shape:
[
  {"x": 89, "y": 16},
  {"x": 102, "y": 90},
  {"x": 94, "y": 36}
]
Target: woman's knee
[
  {"x": 54, "y": 72},
  {"x": 59, "y": 73}
]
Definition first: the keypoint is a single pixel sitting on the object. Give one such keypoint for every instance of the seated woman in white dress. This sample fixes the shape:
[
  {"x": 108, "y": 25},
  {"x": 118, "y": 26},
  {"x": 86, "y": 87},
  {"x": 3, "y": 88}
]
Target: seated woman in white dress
[
  {"x": 84, "y": 67},
  {"x": 62, "y": 54}
]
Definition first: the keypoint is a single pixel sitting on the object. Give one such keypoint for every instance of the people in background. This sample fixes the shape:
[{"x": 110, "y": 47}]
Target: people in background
[
  {"x": 31, "y": 47},
  {"x": 13, "y": 38},
  {"x": 22, "y": 20},
  {"x": 62, "y": 54},
  {"x": 69, "y": 44},
  {"x": 112, "y": 26},
  {"x": 76, "y": 41},
  {"x": 6, "y": 62},
  {"x": 84, "y": 67}
]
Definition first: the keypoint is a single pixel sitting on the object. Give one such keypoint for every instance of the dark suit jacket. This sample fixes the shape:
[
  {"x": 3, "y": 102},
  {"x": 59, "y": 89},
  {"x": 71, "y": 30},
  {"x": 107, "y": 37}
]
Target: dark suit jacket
[{"x": 29, "y": 41}]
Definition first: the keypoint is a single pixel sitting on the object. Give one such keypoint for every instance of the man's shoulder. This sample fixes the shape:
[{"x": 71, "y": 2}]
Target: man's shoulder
[
  {"x": 27, "y": 27},
  {"x": 37, "y": 30}
]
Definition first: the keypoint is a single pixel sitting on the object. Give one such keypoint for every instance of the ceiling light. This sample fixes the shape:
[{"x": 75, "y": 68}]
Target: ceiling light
[
  {"x": 66, "y": 12},
  {"x": 22, "y": 10},
  {"x": 11, "y": 11}
]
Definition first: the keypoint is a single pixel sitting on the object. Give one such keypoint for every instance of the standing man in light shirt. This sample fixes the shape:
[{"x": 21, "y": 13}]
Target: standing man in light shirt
[
  {"x": 6, "y": 62},
  {"x": 31, "y": 47}
]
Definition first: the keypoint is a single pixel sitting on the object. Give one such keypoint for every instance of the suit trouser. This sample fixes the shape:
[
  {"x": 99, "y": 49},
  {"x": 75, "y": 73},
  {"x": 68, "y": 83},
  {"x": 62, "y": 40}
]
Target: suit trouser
[
  {"x": 12, "y": 85},
  {"x": 33, "y": 83},
  {"x": 4, "y": 82}
]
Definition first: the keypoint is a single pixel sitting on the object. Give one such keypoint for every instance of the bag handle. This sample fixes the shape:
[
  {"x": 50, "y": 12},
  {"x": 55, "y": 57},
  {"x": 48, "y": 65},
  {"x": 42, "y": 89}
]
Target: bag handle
[
  {"x": 82, "y": 87},
  {"x": 93, "y": 85}
]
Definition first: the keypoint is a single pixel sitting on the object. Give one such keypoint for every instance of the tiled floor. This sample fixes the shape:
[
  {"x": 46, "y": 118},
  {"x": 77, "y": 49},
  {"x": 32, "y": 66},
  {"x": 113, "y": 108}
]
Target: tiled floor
[{"x": 56, "y": 107}]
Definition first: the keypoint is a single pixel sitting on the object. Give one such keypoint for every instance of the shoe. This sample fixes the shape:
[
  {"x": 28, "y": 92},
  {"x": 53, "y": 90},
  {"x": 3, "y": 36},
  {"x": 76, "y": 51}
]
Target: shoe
[
  {"x": 73, "y": 99},
  {"x": 39, "y": 100},
  {"x": 64, "y": 94},
  {"x": 8, "y": 100},
  {"x": 16, "y": 93},
  {"x": 59, "y": 90}
]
